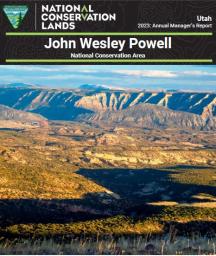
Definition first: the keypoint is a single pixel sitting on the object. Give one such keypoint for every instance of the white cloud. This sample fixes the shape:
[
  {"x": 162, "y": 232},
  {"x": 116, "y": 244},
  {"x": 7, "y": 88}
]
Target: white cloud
[
  {"x": 163, "y": 73},
  {"x": 147, "y": 73},
  {"x": 28, "y": 68},
  {"x": 35, "y": 68},
  {"x": 197, "y": 73},
  {"x": 10, "y": 79},
  {"x": 68, "y": 76},
  {"x": 58, "y": 77}
]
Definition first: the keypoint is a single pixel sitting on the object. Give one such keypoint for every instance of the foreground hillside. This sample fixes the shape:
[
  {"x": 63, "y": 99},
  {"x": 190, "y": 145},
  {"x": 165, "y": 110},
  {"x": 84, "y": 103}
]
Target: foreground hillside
[{"x": 70, "y": 179}]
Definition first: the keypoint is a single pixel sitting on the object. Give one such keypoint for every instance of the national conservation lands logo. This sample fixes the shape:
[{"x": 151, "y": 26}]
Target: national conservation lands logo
[
  {"x": 65, "y": 16},
  {"x": 15, "y": 14}
]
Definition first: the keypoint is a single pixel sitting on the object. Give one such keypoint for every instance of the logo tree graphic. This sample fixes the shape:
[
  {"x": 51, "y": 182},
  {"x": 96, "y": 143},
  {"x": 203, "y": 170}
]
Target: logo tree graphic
[{"x": 19, "y": 20}]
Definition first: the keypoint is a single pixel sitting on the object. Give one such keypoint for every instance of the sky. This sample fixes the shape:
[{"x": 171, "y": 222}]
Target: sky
[{"x": 150, "y": 77}]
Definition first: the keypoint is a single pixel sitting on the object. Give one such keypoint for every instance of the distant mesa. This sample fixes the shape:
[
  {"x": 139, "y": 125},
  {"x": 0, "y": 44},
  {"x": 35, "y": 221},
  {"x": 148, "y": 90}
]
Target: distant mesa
[
  {"x": 96, "y": 102},
  {"x": 93, "y": 87}
]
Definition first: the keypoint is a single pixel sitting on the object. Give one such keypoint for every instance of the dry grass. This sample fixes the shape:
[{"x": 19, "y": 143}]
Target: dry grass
[{"x": 109, "y": 245}]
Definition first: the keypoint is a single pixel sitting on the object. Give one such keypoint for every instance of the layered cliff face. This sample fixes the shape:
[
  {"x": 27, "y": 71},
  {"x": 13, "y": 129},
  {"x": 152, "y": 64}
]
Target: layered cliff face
[
  {"x": 52, "y": 104},
  {"x": 152, "y": 116},
  {"x": 197, "y": 103},
  {"x": 74, "y": 104}
]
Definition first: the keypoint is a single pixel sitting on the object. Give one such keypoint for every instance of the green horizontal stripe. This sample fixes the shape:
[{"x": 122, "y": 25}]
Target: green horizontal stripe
[
  {"x": 109, "y": 33},
  {"x": 111, "y": 60}
]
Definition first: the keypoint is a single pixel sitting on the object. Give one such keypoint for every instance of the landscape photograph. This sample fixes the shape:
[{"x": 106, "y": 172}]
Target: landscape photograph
[{"x": 108, "y": 159}]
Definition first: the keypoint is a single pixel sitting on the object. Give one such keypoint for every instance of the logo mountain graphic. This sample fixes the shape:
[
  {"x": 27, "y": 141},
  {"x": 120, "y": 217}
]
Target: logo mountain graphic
[
  {"x": 84, "y": 12},
  {"x": 15, "y": 14}
]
